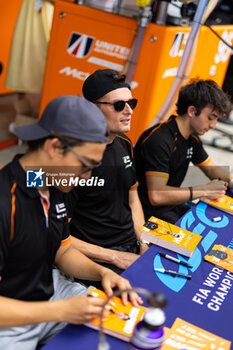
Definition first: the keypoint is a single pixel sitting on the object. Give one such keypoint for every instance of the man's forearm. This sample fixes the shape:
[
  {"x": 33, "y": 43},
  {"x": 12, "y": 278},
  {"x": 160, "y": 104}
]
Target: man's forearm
[
  {"x": 77, "y": 264},
  {"x": 175, "y": 195},
  {"x": 120, "y": 259},
  {"x": 137, "y": 212},
  {"x": 93, "y": 251},
  {"x": 169, "y": 195},
  {"x": 19, "y": 313},
  {"x": 216, "y": 172}
]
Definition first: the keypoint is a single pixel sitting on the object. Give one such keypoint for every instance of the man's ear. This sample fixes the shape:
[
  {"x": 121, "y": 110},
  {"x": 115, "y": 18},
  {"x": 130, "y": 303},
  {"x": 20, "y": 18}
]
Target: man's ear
[
  {"x": 191, "y": 111},
  {"x": 52, "y": 147}
]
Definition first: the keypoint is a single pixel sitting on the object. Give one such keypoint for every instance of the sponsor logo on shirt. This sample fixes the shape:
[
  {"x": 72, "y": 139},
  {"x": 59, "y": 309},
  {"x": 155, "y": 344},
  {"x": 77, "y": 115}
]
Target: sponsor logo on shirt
[
  {"x": 127, "y": 161},
  {"x": 61, "y": 210},
  {"x": 189, "y": 153},
  {"x": 60, "y": 207},
  {"x": 35, "y": 178}
]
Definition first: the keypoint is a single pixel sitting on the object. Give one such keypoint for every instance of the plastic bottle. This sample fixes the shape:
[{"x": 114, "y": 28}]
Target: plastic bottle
[{"x": 148, "y": 333}]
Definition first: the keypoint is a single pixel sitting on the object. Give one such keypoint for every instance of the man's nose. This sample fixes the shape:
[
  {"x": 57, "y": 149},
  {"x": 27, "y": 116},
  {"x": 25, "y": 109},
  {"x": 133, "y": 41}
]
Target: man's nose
[
  {"x": 213, "y": 123},
  {"x": 128, "y": 108}
]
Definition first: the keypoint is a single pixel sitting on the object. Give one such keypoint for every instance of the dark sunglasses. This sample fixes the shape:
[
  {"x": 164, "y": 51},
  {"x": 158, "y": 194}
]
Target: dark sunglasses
[
  {"x": 120, "y": 105},
  {"x": 86, "y": 165}
]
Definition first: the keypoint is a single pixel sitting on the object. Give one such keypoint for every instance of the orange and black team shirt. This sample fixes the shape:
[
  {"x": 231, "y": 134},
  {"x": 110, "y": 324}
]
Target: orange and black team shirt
[
  {"x": 162, "y": 151},
  {"x": 101, "y": 215},
  {"x": 31, "y": 231}
]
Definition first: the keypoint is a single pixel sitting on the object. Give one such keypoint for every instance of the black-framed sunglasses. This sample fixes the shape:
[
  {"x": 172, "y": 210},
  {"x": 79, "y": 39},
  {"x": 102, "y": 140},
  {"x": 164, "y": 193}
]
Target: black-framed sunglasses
[
  {"x": 120, "y": 105},
  {"x": 88, "y": 166}
]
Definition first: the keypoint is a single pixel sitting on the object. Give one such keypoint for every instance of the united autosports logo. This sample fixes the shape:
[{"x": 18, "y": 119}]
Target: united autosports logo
[
  {"x": 178, "y": 45},
  {"x": 35, "y": 178},
  {"x": 79, "y": 45}
]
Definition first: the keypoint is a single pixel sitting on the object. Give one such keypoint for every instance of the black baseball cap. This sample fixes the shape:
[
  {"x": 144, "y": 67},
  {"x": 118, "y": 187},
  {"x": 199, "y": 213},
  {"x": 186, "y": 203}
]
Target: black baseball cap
[
  {"x": 101, "y": 82},
  {"x": 71, "y": 116}
]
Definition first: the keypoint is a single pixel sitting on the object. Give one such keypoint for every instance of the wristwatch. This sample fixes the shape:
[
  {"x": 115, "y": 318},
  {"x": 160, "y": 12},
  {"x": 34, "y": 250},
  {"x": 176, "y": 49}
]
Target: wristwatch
[{"x": 142, "y": 241}]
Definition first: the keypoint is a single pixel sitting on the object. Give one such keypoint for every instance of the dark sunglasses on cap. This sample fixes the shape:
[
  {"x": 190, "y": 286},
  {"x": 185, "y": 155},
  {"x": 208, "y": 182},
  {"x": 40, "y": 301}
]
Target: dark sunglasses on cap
[{"x": 120, "y": 105}]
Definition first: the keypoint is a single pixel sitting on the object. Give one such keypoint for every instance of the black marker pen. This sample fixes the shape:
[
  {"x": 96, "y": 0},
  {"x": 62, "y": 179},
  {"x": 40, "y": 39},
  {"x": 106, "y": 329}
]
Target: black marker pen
[
  {"x": 169, "y": 257},
  {"x": 173, "y": 273}
]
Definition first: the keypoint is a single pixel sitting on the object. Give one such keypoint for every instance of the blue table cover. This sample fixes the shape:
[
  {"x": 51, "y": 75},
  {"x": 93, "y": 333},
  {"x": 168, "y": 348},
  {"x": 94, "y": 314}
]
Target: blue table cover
[{"x": 205, "y": 301}]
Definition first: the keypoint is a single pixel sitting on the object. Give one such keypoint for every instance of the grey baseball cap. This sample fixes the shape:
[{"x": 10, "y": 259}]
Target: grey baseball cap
[{"x": 71, "y": 116}]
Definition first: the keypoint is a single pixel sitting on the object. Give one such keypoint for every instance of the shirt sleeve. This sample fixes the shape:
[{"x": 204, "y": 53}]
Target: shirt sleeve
[
  {"x": 133, "y": 177},
  {"x": 5, "y": 234},
  {"x": 133, "y": 187},
  {"x": 66, "y": 237},
  {"x": 156, "y": 152},
  {"x": 66, "y": 241},
  {"x": 200, "y": 157},
  {"x": 72, "y": 201}
]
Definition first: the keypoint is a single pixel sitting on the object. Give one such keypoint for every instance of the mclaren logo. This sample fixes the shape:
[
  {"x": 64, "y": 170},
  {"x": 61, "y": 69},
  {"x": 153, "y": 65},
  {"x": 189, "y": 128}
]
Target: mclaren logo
[{"x": 74, "y": 73}]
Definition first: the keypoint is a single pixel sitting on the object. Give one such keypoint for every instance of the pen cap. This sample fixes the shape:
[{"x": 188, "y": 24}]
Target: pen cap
[
  {"x": 157, "y": 300},
  {"x": 154, "y": 318}
]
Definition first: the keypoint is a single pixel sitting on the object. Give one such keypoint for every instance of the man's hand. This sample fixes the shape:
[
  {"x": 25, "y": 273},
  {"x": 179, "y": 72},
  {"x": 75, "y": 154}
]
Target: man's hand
[
  {"x": 111, "y": 280},
  {"x": 80, "y": 309},
  {"x": 215, "y": 189},
  {"x": 143, "y": 248},
  {"x": 123, "y": 259}
]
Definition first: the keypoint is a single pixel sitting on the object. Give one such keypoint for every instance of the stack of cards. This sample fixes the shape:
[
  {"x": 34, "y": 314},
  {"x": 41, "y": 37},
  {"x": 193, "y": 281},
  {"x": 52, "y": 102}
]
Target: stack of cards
[
  {"x": 184, "y": 335},
  {"x": 221, "y": 256}
]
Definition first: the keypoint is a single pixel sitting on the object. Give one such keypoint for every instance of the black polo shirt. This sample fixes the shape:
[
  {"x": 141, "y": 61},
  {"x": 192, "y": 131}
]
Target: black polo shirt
[
  {"x": 101, "y": 215},
  {"x": 162, "y": 151},
  {"x": 31, "y": 232}
]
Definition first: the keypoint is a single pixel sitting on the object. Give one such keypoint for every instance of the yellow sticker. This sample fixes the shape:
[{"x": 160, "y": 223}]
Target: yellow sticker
[{"x": 142, "y": 3}]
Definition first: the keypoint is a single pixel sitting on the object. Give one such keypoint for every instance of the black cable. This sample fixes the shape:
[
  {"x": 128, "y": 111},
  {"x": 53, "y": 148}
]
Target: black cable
[{"x": 225, "y": 42}]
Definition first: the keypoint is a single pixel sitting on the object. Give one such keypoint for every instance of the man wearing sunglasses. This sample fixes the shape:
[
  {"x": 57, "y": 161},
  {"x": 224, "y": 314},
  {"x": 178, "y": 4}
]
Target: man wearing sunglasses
[
  {"x": 35, "y": 302},
  {"x": 106, "y": 220}
]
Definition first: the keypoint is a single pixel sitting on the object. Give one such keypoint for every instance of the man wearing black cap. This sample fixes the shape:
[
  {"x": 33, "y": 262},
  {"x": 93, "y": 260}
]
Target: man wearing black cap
[
  {"x": 35, "y": 302},
  {"x": 106, "y": 220}
]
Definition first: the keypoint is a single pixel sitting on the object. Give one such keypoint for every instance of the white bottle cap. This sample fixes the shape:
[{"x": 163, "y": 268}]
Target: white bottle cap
[{"x": 154, "y": 317}]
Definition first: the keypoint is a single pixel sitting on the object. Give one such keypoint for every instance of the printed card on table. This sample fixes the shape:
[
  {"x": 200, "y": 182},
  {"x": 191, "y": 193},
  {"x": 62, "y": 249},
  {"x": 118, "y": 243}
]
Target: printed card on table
[
  {"x": 186, "y": 336},
  {"x": 221, "y": 256},
  {"x": 169, "y": 236},
  {"x": 224, "y": 203},
  {"x": 119, "y": 320}
]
